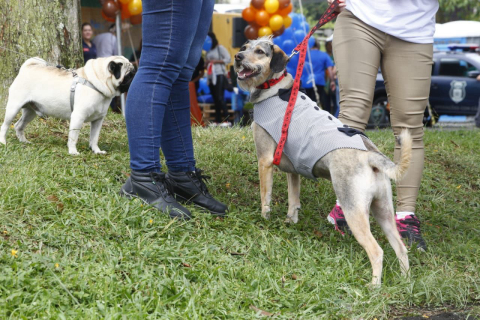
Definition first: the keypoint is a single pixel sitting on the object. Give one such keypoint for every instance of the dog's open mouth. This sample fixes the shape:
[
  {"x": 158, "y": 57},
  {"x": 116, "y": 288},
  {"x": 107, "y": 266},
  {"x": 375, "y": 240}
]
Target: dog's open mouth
[{"x": 245, "y": 73}]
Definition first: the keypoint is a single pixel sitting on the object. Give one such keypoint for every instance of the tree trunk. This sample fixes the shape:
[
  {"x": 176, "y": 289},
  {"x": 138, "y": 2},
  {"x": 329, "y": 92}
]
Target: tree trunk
[{"x": 49, "y": 29}]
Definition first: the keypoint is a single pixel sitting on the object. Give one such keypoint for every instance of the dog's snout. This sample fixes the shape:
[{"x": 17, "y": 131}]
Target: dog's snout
[{"x": 239, "y": 56}]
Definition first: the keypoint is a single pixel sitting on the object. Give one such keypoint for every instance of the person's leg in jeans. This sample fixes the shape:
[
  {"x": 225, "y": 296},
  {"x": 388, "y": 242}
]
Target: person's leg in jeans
[{"x": 167, "y": 41}]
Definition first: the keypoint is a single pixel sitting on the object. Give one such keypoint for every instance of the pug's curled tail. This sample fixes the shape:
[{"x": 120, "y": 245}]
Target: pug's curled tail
[
  {"x": 392, "y": 170},
  {"x": 34, "y": 61}
]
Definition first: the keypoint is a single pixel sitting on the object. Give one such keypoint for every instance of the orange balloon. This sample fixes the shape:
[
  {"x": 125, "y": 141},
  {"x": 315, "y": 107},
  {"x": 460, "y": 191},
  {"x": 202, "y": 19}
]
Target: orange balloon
[
  {"x": 264, "y": 31},
  {"x": 107, "y": 17},
  {"x": 262, "y": 18},
  {"x": 285, "y": 11},
  {"x": 276, "y": 22},
  {"x": 137, "y": 19},
  {"x": 251, "y": 32},
  {"x": 125, "y": 12},
  {"x": 125, "y": 1},
  {"x": 248, "y": 14},
  {"x": 135, "y": 7},
  {"x": 271, "y": 5},
  {"x": 287, "y": 21}
]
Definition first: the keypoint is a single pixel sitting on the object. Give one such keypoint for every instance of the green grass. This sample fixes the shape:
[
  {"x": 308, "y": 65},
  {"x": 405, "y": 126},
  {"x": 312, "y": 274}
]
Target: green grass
[{"x": 82, "y": 251}]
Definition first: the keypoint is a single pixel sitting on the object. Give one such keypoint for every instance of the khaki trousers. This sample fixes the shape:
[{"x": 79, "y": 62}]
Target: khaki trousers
[{"x": 359, "y": 51}]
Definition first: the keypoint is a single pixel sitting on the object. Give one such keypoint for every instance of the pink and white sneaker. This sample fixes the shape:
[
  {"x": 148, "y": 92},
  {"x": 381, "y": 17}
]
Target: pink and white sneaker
[
  {"x": 337, "y": 218},
  {"x": 409, "y": 229}
]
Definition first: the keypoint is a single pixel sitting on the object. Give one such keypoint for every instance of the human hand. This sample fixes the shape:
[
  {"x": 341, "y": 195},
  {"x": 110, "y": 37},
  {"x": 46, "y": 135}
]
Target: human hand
[
  {"x": 341, "y": 5},
  {"x": 332, "y": 85}
]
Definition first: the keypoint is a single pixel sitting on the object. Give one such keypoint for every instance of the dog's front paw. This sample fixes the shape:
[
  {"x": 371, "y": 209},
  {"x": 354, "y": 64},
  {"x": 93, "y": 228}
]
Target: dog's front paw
[
  {"x": 3, "y": 141},
  {"x": 74, "y": 152},
  {"x": 99, "y": 152}
]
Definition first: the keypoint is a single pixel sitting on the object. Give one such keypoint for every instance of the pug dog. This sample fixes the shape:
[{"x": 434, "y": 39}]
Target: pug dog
[{"x": 82, "y": 95}]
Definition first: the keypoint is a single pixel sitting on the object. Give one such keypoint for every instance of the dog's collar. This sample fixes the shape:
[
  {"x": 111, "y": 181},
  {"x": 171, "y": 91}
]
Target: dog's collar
[{"x": 272, "y": 82}]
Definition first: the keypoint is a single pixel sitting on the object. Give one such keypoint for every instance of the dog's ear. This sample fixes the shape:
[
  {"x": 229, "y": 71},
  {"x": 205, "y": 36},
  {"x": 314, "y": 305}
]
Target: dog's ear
[
  {"x": 115, "y": 69},
  {"x": 279, "y": 59}
]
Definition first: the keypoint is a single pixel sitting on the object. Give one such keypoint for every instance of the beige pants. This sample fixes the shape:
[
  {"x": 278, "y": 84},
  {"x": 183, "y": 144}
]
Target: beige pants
[{"x": 359, "y": 51}]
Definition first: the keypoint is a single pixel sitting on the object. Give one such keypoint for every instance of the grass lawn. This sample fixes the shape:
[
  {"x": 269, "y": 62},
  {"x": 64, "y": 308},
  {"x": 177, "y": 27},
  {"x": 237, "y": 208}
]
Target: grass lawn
[{"x": 71, "y": 247}]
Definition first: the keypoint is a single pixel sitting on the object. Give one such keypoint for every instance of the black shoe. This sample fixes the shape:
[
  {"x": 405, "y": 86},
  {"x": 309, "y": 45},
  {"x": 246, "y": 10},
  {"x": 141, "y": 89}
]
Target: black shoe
[
  {"x": 154, "y": 189},
  {"x": 189, "y": 187}
]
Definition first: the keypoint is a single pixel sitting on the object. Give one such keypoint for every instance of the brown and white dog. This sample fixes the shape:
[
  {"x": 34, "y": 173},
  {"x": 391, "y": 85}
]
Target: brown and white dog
[{"x": 360, "y": 178}]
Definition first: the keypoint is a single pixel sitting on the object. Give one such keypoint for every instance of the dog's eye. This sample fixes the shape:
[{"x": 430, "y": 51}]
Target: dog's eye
[
  {"x": 258, "y": 51},
  {"x": 243, "y": 48}
]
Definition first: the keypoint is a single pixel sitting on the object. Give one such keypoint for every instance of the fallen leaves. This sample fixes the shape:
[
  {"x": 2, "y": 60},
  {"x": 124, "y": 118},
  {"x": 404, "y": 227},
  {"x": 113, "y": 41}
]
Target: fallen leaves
[
  {"x": 54, "y": 199},
  {"x": 260, "y": 311}
]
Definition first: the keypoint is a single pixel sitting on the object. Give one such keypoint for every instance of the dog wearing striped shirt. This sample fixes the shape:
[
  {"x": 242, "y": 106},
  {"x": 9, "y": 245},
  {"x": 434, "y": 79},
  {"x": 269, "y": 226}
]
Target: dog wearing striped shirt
[{"x": 320, "y": 146}]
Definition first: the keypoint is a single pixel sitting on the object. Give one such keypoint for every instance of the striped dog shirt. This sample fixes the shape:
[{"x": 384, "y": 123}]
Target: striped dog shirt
[{"x": 312, "y": 133}]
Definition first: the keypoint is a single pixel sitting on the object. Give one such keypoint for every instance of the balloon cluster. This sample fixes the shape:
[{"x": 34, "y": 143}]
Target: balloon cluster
[
  {"x": 129, "y": 9},
  {"x": 266, "y": 17}
]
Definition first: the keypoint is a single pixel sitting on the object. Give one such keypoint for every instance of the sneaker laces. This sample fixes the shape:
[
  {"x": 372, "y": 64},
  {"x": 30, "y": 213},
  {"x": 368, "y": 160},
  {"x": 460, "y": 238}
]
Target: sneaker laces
[
  {"x": 410, "y": 223},
  {"x": 201, "y": 179},
  {"x": 166, "y": 186}
]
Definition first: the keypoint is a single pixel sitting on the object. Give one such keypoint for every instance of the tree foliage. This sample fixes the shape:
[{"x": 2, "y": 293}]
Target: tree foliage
[{"x": 452, "y": 10}]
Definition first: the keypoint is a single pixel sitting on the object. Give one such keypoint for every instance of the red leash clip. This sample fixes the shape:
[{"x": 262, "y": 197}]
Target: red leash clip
[{"x": 327, "y": 16}]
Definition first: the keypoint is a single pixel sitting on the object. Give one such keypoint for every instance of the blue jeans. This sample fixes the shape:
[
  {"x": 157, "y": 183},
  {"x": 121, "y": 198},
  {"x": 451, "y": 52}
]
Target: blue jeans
[{"x": 158, "y": 102}]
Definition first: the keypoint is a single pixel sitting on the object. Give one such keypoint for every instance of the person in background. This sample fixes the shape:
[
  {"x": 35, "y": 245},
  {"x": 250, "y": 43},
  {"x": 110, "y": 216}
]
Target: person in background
[
  {"x": 217, "y": 60},
  {"x": 158, "y": 109},
  {"x": 89, "y": 48},
  {"x": 332, "y": 94},
  {"x": 398, "y": 36},
  {"x": 321, "y": 62},
  {"x": 106, "y": 43}
]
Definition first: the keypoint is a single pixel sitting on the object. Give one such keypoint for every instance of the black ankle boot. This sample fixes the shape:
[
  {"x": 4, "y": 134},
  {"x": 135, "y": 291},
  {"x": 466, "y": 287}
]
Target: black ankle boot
[
  {"x": 190, "y": 187},
  {"x": 154, "y": 189}
]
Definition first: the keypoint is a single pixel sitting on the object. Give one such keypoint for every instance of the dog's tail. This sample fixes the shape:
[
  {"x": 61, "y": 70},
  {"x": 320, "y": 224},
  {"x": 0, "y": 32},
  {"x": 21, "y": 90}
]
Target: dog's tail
[
  {"x": 392, "y": 170},
  {"x": 34, "y": 61}
]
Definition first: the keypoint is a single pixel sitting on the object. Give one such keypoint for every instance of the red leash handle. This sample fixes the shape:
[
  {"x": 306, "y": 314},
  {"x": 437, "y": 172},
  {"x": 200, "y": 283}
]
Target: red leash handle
[{"x": 328, "y": 15}]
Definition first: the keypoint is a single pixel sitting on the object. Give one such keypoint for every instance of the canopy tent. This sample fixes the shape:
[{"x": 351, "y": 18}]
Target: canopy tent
[
  {"x": 457, "y": 29},
  {"x": 456, "y": 32}
]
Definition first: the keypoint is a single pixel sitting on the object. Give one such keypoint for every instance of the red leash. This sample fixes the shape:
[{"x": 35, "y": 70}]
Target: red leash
[{"x": 302, "y": 48}]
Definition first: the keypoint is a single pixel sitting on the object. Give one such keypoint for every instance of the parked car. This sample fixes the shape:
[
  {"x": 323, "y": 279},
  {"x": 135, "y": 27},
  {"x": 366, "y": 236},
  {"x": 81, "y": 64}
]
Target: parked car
[{"x": 455, "y": 89}]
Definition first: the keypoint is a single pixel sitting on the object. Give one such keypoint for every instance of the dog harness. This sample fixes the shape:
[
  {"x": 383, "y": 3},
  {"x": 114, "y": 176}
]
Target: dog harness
[
  {"x": 77, "y": 80},
  {"x": 312, "y": 134},
  {"x": 73, "y": 87}
]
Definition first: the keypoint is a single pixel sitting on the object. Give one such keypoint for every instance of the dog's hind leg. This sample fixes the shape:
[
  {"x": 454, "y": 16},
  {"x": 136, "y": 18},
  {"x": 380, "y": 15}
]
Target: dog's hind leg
[
  {"x": 382, "y": 210},
  {"x": 355, "y": 201},
  {"x": 95, "y": 127},
  {"x": 265, "y": 171},
  {"x": 15, "y": 103},
  {"x": 28, "y": 115},
  {"x": 293, "y": 180}
]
